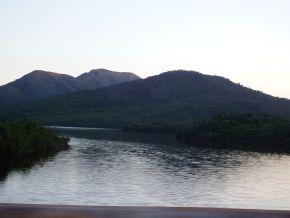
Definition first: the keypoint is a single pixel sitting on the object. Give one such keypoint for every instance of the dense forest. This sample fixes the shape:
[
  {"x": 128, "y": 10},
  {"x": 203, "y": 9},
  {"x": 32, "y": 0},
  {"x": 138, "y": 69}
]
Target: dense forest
[
  {"x": 28, "y": 139},
  {"x": 169, "y": 99},
  {"x": 245, "y": 131},
  {"x": 23, "y": 143}
]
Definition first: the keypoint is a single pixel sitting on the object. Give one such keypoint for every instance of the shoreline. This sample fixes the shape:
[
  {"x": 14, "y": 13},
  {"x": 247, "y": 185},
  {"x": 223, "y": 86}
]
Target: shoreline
[{"x": 81, "y": 128}]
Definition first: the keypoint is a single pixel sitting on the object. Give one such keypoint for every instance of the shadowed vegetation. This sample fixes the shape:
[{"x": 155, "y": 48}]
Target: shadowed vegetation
[
  {"x": 242, "y": 131},
  {"x": 21, "y": 144}
]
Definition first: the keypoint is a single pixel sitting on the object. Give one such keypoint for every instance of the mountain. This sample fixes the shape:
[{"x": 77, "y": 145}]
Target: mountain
[
  {"x": 37, "y": 84},
  {"x": 41, "y": 84},
  {"x": 102, "y": 77},
  {"x": 171, "y": 98}
]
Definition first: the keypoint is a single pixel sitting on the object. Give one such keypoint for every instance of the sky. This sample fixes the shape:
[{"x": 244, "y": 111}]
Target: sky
[{"x": 247, "y": 41}]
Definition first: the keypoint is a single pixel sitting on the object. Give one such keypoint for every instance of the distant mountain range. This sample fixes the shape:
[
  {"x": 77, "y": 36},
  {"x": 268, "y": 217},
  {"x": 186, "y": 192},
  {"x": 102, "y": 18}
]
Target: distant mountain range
[
  {"x": 171, "y": 98},
  {"x": 40, "y": 84}
]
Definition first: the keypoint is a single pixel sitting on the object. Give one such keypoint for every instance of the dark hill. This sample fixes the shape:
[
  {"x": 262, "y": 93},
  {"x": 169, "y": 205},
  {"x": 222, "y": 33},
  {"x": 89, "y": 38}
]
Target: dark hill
[
  {"x": 35, "y": 85},
  {"x": 171, "y": 98},
  {"x": 40, "y": 84}
]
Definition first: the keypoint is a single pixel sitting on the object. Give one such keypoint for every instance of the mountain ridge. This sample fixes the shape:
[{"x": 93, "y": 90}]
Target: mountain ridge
[
  {"x": 171, "y": 98},
  {"x": 41, "y": 84}
]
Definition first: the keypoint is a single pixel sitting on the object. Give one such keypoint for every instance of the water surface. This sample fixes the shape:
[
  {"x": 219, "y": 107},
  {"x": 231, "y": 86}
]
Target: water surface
[{"x": 111, "y": 167}]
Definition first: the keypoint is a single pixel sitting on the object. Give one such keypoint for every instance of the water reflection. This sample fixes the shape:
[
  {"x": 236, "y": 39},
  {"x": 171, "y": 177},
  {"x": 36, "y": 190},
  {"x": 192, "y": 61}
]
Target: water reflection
[
  {"x": 118, "y": 135},
  {"x": 21, "y": 164},
  {"x": 116, "y": 168}
]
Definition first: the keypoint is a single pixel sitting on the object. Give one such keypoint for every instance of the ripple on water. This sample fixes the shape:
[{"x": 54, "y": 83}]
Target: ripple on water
[{"x": 109, "y": 171}]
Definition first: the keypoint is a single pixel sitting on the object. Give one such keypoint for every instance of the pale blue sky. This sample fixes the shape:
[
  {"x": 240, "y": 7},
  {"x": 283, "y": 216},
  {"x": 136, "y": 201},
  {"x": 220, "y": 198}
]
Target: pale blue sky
[{"x": 247, "y": 41}]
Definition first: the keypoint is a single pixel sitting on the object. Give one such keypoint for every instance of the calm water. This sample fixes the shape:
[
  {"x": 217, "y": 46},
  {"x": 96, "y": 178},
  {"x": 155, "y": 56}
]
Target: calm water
[{"x": 108, "y": 167}]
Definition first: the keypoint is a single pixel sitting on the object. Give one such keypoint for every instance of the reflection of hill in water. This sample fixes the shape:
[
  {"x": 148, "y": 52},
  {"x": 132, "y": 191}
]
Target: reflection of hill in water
[
  {"x": 156, "y": 146},
  {"x": 118, "y": 135},
  {"x": 106, "y": 167},
  {"x": 7, "y": 166}
]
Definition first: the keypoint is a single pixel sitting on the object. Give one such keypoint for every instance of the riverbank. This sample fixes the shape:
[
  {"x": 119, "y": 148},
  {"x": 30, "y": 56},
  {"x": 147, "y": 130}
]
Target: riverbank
[
  {"x": 27, "y": 139},
  {"x": 255, "y": 132},
  {"x": 60, "y": 211},
  {"x": 23, "y": 143}
]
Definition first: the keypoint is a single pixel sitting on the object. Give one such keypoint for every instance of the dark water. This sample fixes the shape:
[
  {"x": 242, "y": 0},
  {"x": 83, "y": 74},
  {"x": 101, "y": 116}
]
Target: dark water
[{"x": 110, "y": 167}]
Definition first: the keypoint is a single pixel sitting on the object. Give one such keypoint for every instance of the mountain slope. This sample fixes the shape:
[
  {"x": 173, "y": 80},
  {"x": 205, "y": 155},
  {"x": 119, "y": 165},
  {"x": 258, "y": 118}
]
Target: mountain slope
[
  {"x": 40, "y": 84},
  {"x": 169, "y": 98}
]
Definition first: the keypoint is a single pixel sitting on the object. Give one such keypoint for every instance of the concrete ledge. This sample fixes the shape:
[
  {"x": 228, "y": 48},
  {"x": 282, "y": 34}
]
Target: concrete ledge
[{"x": 53, "y": 211}]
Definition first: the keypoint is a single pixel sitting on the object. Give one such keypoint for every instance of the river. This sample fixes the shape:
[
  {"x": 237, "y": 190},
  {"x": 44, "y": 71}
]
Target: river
[{"x": 111, "y": 167}]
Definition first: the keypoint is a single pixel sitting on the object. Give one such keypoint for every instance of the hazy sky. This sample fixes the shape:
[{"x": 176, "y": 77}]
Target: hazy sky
[{"x": 247, "y": 41}]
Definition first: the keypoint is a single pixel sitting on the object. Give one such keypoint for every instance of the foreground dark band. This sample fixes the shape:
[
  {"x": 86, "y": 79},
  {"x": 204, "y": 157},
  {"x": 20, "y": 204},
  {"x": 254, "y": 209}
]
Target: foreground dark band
[{"x": 49, "y": 211}]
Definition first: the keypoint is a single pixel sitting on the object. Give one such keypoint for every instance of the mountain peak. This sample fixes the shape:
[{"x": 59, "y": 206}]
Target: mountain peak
[
  {"x": 106, "y": 72},
  {"x": 101, "y": 70},
  {"x": 43, "y": 73},
  {"x": 40, "y": 72},
  {"x": 184, "y": 73},
  {"x": 40, "y": 84},
  {"x": 180, "y": 71},
  {"x": 103, "y": 77}
]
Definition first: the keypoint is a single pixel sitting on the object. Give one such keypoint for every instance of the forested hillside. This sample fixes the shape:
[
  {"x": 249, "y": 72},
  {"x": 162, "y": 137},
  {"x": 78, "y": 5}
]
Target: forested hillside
[
  {"x": 171, "y": 98},
  {"x": 256, "y": 132}
]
